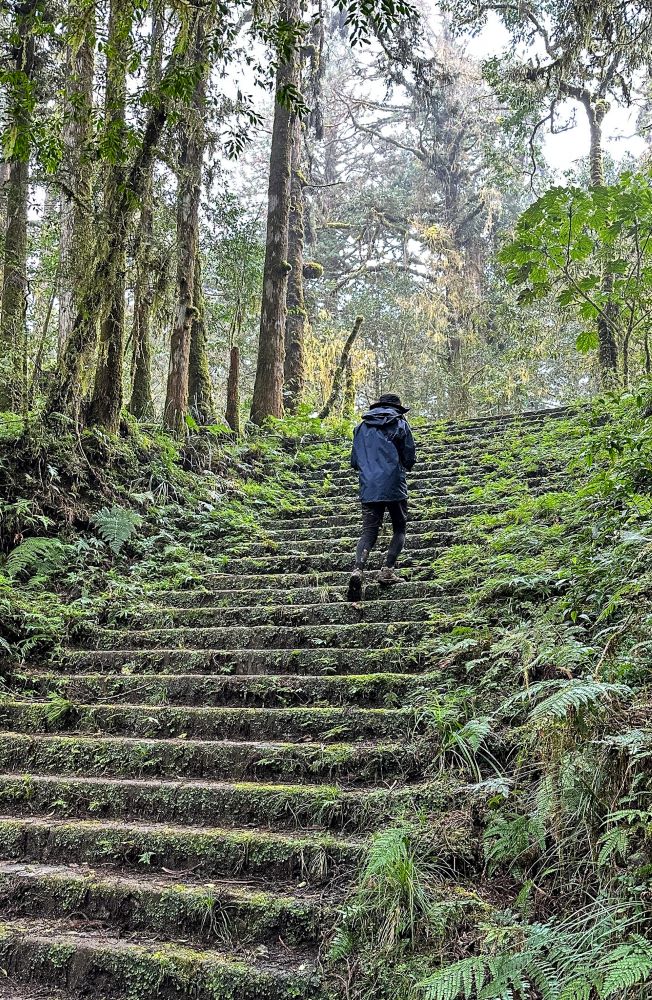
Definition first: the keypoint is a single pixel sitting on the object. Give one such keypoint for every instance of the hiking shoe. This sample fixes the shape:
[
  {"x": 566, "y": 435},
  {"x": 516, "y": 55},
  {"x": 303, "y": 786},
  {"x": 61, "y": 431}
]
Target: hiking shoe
[
  {"x": 388, "y": 576},
  {"x": 354, "y": 592}
]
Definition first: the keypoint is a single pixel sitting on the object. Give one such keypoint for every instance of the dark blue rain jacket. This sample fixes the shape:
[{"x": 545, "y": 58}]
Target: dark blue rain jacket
[{"x": 383, "y": 449}]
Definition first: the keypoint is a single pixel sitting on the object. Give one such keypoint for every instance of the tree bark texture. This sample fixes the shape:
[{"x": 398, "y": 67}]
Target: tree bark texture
[
  {"x": 66, "y": 392},
  {"x": 233, "y": 391},
  {"x": 268, "y": 386},
  {"x": 106, "y": 404},
  {"x": 188, "y": 197},
  {"x": 296, "y": 320},
  {"x": 340, "y": 371},
  {"x": 141, "y": 403},
  {"x": 76, "y": 236},
  {"x": 13, "y": 303},
  {"x": 348, "y": 408},
  {"x": 608, "y": 319},
  {"x": 200, "y": 387}
]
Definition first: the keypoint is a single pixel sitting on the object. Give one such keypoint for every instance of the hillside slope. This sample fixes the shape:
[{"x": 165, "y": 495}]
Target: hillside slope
[{"x": 188, "y": 795}]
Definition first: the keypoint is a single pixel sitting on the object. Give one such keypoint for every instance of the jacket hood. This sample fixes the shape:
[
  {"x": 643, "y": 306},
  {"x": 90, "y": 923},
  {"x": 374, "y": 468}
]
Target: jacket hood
[{"x": 380, "y": 416}]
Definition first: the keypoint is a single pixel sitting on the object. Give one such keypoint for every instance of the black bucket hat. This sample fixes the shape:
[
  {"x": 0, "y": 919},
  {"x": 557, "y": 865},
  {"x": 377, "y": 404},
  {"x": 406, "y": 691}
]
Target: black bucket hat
[{"x": 391, "y": 399}]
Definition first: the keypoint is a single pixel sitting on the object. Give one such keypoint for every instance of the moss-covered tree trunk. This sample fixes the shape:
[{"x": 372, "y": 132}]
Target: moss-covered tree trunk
[
  {"x": 106, "y": 402},
  {"x": 296, "y": 320},
  {"x": 13, "y": 302},
  {"x": 268, "y": 386},
  {"x": 191, "y": 146},
  {"x": 76, "y": 235},
  {"x": 340, "y": 372},
  {"x": 141, "y": 403},
  {"x": 608, "y": 319},
  {"x": 200, "y": 387},
  {"x": 233, "y": 391}
]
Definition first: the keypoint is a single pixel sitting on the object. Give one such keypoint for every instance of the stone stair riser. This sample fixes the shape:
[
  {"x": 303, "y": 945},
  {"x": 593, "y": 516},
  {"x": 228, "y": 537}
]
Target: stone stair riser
[
  {"x": 211, "y": 916},
  {"x": 350, "y": 763},
  {"x": 200, "y": 853},
  {"x": 370, "y": 690},
  {"x": 328, "y": 725}
]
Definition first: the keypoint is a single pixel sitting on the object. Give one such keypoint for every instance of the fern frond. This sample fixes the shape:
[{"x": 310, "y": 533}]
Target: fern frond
[
  {"x": 576, "y": 695},
  {"x": 45, "y": 554},
  {"x": 628, "y": 965},
  {"x": 116, "y": 525},
  {"x": 614, "y": 842}
]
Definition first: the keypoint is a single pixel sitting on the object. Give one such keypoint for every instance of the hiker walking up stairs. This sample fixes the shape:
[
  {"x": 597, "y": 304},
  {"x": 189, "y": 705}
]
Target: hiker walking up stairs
[{"x": 185, "y": 799}]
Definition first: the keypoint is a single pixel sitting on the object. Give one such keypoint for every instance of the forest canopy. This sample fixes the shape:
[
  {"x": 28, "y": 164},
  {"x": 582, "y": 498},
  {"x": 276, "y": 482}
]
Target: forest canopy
[{"x": 198, "y": 202}]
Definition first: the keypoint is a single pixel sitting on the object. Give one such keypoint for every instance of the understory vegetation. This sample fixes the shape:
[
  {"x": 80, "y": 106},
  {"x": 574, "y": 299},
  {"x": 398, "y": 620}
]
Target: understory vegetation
[
  {"x": 545, "y": 721},
  {"x": 88, "y": 520}
]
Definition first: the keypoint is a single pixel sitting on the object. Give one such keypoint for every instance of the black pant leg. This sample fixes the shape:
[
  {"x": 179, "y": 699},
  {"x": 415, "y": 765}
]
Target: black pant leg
[
  {"x": 372, "y": 519},
  {"x": 398, "y": 511}
]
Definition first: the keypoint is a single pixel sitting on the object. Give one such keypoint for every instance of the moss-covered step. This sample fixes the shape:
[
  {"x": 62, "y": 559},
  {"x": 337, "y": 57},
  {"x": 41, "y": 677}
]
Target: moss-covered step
[
  {"x": 225, "y": 804},
  {"x": 272, "y": 690},
  {"x": 348, "y": 513},
  {"x": 63, "y": 954},
  {"x": 195, "y": 912},
  {"x": 422, "y": 488},
  {"x": 363, "y": 635},
  {"x": 338, "y": 543},
  {"x": 427, "y": 501},
  {"x": 329, "y": 725},
  {"x": 296, "y": 562},
  {"x": 120, "y": 756},
  {"x": 197, "y": 852},
  {"x": 341, "y": 612},
  {"x": 200, "y": 596},
  {"x": 400, "y": 658},
  {"x": 418, "y": 527}
]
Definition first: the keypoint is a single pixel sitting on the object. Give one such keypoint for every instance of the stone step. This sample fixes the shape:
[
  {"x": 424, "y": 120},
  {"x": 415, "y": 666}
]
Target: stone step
[
  {"x": 298, "y": 596},
  {"x": 68, "y": 954},
  {"x": 271, "y": 690},
  {"x": 340, "y": 612},
  {"x": 187, "y": 851},
  {"x": 429, "y": 490},
  {"x": 327, "y": 725},
  {"x": 237, "y": 637},
  {"x": 336, "y": 544},
  {"x": 348, "y": 508},
  {"x": 350, "y": 529},
  {"x": 318, "y": 662},
  {"x": 478, "y": 469},
  {"x": 196, "y": 913},
  {"x": 282, "y": 563},
  {"x": 217, "y": 803},
  {"x": 351, "y": 763}
]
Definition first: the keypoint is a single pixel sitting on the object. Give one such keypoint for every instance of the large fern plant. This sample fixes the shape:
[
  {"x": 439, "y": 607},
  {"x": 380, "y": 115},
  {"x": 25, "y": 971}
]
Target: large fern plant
[
  {"x": 35, "y": 557},
  {"x": 595, "y": 957},
  {"x": 116, "y": 525}
]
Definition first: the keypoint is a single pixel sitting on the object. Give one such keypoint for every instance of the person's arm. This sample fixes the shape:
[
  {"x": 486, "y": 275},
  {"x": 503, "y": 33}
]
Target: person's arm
[
  {"x": 406, "y": 447},
  {"x": 354, "y": 457}
]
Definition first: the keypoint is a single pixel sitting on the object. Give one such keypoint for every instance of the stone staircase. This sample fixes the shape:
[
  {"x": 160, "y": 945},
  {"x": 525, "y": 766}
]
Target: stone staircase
[{"x": 184, "y": 801}]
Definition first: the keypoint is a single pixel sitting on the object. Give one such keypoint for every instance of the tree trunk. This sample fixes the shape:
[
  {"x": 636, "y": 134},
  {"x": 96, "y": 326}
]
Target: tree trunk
[
  {"x": 348, "y": 409},
  {"x": 200, "y": 387},
  {"x": 65, "y": 395},
  {"x": 106, "y": 404},
  {"x": 608, "y": 319},
  {"x": 233, "y": 391},
  {"x": 75, "y": 244},
  {"x": 188, "y": 197},
  {"x": 296, "y": 321},
  {"x": 268, "y": 386},
  {"x": 13, "y": 305},
  {"x": 141, "y": 404},
  {"x": 339, "y": 375}
]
